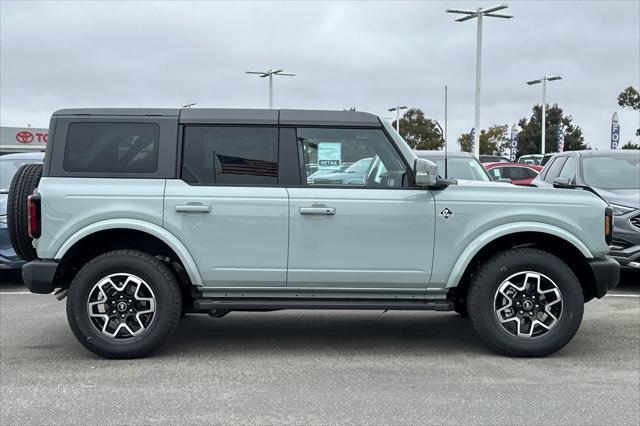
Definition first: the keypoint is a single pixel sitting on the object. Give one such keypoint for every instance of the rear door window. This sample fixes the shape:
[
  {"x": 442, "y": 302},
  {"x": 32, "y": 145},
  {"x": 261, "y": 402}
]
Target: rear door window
[
  {"x": 112, "y": 147},
  {"x": 230, "y": 155}
]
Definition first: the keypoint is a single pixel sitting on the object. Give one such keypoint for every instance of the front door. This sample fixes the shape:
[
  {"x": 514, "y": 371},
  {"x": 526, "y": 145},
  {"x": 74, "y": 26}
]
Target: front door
[
  {"x": 228, "y": 209},
  {"x": 355, "y": 229}
]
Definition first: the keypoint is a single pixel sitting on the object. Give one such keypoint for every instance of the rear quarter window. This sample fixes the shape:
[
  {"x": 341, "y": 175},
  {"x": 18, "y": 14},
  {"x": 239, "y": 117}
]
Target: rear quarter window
[{"x": 112, "y": 147}]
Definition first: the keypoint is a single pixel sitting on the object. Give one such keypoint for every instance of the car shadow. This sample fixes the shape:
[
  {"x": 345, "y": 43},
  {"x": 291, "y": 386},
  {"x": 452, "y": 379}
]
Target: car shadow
[{"x": 347, "y": 332}]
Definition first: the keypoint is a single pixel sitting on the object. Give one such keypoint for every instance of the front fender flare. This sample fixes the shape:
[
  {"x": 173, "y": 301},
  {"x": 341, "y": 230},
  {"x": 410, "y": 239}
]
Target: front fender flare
[
  {"x": 139, "y": 225},
  {"x": 511, "y": 228}
]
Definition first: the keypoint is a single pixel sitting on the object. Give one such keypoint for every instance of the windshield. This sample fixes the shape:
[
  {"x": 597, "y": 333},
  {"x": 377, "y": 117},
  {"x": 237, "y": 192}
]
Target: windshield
[
  {"x": 530, "y": 159},
  {"x": 612, "y": 171},
  {"x": 461, "y": 168}
]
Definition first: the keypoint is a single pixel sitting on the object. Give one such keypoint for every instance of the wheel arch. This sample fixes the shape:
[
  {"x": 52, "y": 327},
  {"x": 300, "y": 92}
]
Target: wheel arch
[
  {"x": 552, "y": 239},
  {"x": 108, "y": 235}
]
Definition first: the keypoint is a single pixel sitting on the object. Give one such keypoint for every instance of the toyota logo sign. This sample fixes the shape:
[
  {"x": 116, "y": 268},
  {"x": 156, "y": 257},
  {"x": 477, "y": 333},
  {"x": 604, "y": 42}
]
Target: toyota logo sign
[{"x": 24, "y": 137}]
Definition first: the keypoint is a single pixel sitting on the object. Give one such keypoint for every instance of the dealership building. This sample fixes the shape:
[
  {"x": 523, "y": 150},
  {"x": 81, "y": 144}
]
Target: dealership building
[{"x": 22, "y": 139}]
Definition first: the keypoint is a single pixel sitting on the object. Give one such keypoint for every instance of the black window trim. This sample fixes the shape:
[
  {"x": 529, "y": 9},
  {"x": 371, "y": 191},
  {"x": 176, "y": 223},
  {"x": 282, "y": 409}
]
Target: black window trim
[
  {"x": 180, "y": 156},
  {"x": 558, "y": 158},
  {"x": 150, "y": 172},
  {"x": 303, "y": 184},
  {"x": 57, "y": 146}
]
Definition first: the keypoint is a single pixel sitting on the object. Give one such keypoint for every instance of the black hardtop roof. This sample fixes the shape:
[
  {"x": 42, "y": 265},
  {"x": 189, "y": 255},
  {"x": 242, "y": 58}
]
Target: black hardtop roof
[{"x": 290, "y": 117}]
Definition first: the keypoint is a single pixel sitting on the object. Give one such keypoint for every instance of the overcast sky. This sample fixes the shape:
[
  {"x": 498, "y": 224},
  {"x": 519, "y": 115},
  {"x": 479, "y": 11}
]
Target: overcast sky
[{"x": 365, "y": 55}]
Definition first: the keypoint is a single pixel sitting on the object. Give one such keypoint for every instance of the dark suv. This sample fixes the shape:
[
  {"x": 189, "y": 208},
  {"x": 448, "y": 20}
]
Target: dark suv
[{"x": 615, "y": 177}]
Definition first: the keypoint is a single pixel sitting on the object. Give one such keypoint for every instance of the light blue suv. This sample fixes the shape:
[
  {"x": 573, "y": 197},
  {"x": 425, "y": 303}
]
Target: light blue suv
[{"x": 142, "y": 215}]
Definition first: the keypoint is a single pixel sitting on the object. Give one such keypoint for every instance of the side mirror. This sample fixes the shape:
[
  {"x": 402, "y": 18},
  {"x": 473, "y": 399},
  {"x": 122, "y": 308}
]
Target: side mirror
[
  {"x": 562, "y": 182},
  {"x": 426, "y": 172},
  {"x": 504, "y": 180}
]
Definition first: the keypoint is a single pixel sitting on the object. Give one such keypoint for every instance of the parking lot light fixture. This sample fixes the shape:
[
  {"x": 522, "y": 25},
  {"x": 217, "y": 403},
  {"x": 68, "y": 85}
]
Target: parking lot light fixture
[
  {"x": 470, "y": 14},
  {"x": 189, "y": 105},
  {"x": 270, "y": 73},
  {"x": 544, "y": 80},
  {"x": 397, "y": 110}
]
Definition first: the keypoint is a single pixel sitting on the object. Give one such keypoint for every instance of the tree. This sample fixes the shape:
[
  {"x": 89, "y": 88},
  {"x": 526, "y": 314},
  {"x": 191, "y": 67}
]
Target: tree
[
  {"x": 531, "y": 132},
  {"x": 493, "y": 141},
  {"x": 630, "y": 145},
  {"x": 419, "y": 131},
  {"x": 630, "y": 98}
]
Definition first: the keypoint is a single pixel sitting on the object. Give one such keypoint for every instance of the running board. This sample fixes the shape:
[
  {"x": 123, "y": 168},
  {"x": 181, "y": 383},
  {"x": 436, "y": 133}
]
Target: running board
[{"x": 353, "y": 304}]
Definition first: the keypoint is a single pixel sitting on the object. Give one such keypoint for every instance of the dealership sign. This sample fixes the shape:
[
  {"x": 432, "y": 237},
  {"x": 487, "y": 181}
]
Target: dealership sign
[
  {"x": 615, "y": 131},
  {"x": 513, "y": 147},
  {"x": 560, "y": 137},
  {"x": 14, "y": 137}
]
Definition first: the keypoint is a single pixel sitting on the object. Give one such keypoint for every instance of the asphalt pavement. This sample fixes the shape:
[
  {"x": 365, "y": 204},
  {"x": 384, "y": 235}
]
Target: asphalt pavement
[{"x": 318, "y": 367}]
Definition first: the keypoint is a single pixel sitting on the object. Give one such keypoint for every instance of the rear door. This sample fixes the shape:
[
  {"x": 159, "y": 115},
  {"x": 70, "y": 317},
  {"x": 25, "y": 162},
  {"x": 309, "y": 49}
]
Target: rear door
[{"x": 228, "y": 208}]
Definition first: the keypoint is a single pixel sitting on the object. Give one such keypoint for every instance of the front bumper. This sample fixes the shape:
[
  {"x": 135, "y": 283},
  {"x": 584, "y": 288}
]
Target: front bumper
[
  {"x": 39, "y": 275},
  {"x": 606, "y": 274}
]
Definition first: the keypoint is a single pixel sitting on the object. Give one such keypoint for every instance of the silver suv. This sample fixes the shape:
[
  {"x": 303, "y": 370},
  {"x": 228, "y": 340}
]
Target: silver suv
[{"x": 143, "y": 215}]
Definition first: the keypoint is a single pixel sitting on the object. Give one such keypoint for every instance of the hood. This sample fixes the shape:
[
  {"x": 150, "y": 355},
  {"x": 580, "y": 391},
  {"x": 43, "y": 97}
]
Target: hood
[
  {"x": 3, "y": 204},
  {"x": 623, "y": 197}
]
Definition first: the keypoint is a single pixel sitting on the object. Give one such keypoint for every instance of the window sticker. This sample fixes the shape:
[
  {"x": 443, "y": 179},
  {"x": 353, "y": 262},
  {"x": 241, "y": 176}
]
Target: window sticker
[{"x": 330, "y": 155}]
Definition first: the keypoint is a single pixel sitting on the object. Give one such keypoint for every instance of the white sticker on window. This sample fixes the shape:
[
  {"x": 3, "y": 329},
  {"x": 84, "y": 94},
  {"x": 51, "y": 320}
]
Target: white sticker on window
[{"x": 329, "y": 155}]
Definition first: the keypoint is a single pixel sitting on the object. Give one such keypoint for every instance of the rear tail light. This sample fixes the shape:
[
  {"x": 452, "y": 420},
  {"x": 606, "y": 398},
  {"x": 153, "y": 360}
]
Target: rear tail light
[
  {"x": 33, "y": 215},
  {"x": 608, "y": 225}
]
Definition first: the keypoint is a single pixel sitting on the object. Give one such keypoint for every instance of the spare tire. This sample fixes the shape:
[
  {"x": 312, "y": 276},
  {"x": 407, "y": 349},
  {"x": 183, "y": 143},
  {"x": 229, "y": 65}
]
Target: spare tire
[{"x": 24, "y": 182}]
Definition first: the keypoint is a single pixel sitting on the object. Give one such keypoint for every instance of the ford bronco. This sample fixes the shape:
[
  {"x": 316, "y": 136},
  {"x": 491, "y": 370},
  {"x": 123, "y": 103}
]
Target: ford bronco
[{"x": 142, "y": 215}]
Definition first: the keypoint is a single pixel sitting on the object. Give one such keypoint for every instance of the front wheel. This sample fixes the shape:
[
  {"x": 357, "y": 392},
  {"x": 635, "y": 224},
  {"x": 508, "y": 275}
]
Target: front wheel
[
  {"x": 525, "y": 302},
  {"x": 123, "y": 304}
]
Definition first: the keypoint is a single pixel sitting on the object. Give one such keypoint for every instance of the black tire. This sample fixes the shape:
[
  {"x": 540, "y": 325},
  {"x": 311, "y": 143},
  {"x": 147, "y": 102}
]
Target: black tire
[
  {"x": 482, "y": 311},
  {"x": 158, "y": 277},
  {"x": 24, "y": 182}
]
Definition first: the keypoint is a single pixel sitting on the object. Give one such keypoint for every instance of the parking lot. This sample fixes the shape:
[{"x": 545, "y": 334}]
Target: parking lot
[{"x": 318, "y": 367}]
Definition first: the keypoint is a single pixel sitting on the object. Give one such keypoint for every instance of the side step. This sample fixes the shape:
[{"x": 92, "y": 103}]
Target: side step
[{"x": 353, "y": 304}]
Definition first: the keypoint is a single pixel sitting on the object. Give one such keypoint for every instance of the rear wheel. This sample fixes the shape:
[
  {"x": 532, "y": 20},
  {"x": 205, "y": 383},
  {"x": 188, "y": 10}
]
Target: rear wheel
[
  {"x": 24, "y": 182},
  {"x": 123, "y": 304},
  {"x": 525, "y": 302}
]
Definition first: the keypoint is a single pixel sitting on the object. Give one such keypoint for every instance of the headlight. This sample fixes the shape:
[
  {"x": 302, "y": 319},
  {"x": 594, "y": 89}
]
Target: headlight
[{"x": 621, "y": 210}]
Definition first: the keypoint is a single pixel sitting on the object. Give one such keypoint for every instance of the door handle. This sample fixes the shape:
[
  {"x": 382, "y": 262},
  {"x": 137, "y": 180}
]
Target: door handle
[
  {"x": 318, "y": 210},
  {"x": 193, "y": 208}
]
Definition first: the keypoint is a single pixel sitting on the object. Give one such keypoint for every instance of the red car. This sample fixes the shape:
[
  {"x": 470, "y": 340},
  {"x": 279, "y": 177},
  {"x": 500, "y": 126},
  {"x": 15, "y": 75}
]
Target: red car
[{"x": 519, "y": 173}]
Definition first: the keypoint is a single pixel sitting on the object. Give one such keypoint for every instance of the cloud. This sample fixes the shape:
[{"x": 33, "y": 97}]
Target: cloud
[{"x": 365, "y": 55}]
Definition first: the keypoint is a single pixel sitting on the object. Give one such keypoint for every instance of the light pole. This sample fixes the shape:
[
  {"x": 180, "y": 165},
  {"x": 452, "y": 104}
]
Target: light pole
[
  {"x": 544, "y": 80},
  {"x": 189, "y": 105},
  {"x": 270, "y": 74},
  {"x": 397, "y": 109},
  {"x": 470, "y": 14}
]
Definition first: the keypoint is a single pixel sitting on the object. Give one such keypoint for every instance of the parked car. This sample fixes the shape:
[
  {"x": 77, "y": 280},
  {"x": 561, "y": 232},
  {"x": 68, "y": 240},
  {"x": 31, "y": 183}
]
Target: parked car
[
  {"x": 134, "y": 231},
  {"x": 534, "y": 159},
  {"x": 518, "y": 173},
  {"x": 493, "y": 159},
  {"x": 615, "y": 176},
  {"x": 9, "y": 164},
  {"x": 354, "y": 174},
  {"x": 546, "y": 158},
  {"x": 458, "y": 165}
]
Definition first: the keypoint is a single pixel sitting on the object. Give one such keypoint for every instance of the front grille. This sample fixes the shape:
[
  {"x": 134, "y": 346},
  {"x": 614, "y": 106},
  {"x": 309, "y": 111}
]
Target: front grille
[{"x": 635, "y": 221}]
